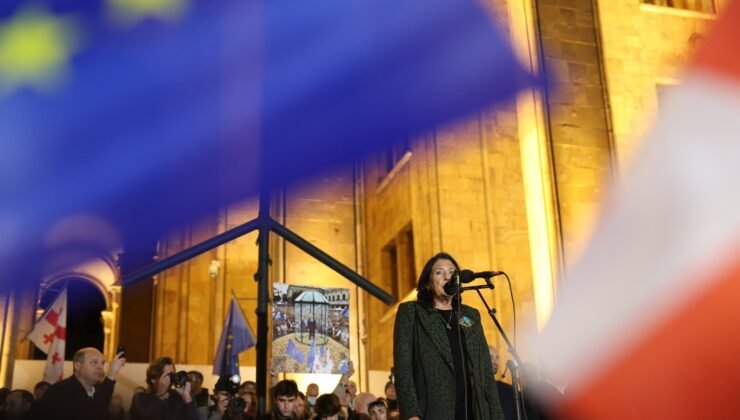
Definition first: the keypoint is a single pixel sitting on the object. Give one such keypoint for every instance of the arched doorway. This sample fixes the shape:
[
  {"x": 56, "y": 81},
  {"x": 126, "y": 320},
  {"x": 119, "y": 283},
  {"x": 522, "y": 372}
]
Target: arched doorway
[{"x": 85, "y": 303}]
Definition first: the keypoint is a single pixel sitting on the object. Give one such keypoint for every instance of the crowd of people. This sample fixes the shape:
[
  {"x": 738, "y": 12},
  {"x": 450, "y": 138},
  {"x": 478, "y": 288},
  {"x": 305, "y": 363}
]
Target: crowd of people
[
  {"x": 87, "y": 393},
  {"x": 343, "y": 403},
  {"x": 169, "y": 395}
]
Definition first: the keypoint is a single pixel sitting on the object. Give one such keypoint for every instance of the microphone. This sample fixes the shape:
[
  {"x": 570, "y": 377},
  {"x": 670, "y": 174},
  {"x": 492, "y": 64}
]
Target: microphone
[
  {"x": 466, "y": 276},
  {"x": 453, "y": 286}
]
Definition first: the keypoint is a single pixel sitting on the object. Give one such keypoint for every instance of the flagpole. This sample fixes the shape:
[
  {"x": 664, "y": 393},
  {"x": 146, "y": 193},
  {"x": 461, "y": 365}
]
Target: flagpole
[{"x": 262, "y": 278}]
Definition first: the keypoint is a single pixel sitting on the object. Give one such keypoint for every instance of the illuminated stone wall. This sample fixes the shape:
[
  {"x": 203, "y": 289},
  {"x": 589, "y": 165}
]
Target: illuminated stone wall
[{"x": 644, "y": 47}]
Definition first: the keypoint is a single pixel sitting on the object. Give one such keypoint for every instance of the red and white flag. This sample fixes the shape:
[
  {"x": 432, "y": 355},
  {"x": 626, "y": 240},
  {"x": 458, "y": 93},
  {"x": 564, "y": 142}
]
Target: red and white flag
[
  {"x": 50, "y": 334},
  {"x": 647, "y": 326}
]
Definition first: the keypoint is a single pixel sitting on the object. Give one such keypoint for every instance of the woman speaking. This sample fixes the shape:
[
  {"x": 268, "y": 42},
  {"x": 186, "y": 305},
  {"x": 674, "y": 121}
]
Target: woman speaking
[{"x": 442, "y": 365}]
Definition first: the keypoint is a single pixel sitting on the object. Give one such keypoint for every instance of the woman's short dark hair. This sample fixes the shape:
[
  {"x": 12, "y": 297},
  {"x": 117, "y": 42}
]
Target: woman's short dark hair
[
  {"x": 327, "y": 405},
  {"x": 423, "y": 294},
  {"x": 155, "y": 371}
]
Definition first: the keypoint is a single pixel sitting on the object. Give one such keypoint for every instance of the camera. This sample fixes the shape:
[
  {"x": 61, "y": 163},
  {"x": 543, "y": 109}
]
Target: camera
[
  {"x": 230, "y": 384},
  {"x": 121, "y": 349},
  {"x": 237, "y": 404},
  {"x": 179, "y": 379}
]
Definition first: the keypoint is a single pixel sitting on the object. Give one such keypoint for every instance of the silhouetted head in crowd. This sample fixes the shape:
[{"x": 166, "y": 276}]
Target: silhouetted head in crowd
[
  {"x": 248, "y": 386},
  {"x": 352, "y": 389},
  {"x": 327, "y": 407},
  {"x": 196, "y": 381},
  {"x": 494, "y": 359},
  {"x": 3, "y": 394},
  {"x": 362, "y": 400},
  {"x": 390, "y": 391},
  {"x": 17, "y": 404},
  {"x": 40, "y": 389},
  {"x": 312, "y": 392}
]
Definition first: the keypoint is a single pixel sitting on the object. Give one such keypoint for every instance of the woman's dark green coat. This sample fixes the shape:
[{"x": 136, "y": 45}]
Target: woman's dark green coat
[{"x": 425, "y": 377}]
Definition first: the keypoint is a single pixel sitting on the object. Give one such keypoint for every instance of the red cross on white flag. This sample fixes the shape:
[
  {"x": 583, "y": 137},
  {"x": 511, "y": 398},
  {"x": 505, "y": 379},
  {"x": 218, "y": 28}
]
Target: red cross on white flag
[{"x": 49, "y": 334}]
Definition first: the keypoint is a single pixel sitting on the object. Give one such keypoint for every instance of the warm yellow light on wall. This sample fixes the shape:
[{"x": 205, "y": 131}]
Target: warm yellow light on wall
[
  {"x": 540, "y": 224},
  {"x": 536, "y": 167}
]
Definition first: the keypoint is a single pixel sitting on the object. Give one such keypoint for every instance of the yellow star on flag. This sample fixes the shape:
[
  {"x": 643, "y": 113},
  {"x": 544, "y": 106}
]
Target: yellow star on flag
[
  {"x": 35, "y": 47},
  {"x": 131, "y": 11}
]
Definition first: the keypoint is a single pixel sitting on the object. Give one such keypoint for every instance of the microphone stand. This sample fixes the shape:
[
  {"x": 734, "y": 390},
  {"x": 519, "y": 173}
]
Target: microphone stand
[{"x": 516, "y": 361}]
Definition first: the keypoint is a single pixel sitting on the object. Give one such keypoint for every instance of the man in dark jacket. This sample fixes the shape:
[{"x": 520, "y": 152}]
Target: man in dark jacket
[
  {"x": 505, "y": 391},
  {"x": 84, "y": 395}
]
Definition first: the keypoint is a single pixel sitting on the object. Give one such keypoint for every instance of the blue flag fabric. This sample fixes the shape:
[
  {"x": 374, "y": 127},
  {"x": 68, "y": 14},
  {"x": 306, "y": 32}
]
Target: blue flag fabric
[
  {"x": 311, "y": 356},
  {"x": 293, "y": 351},
  {"x": 236, "y": 337},
  {"x": 149, "y": 118},
  {"x": 345, "y": 312}
]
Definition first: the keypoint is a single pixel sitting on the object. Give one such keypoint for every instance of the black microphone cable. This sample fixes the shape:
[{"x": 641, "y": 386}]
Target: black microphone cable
[
  {"x": 513, "y": 311},
  {"x": 463, "y": 353},
  {"x": 513, "y": 305}
]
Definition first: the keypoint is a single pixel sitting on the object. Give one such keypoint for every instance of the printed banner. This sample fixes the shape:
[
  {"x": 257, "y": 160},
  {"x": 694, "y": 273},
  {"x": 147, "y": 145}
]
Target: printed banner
[{"x": 310, "y": 329}]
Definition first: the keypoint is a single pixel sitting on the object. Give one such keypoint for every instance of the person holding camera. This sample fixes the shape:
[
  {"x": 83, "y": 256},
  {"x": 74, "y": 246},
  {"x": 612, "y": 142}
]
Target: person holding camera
[
  {"x": 168, "y": 394},
  {"x": 228, "y": 403}
]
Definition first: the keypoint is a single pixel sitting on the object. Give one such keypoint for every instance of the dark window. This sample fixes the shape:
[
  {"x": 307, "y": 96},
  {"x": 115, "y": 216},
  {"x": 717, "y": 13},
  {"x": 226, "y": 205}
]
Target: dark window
[
  {"x": 399, "y": 264},
  {"x": 706, "y": 6}
]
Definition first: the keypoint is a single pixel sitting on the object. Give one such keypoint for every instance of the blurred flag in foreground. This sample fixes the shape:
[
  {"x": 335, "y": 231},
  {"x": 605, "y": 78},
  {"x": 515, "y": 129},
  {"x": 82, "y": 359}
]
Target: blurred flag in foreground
[
  {"x": 646, "y": 327},
  {"x": 148, "y": 115},
  {"x": 236, "y": 337},
  {"x": 49, "y": 334}
]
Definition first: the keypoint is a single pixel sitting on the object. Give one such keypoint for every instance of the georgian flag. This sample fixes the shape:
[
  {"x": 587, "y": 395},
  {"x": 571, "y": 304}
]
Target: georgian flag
[
  {"x": 647, "y": 325},
  {"x": 50, "y": 335}
]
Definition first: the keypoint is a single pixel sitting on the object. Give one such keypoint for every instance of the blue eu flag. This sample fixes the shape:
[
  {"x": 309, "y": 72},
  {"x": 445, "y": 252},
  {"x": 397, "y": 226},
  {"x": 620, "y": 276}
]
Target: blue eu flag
[
  {"x": 236, "y": 337},
  {"x": 151, "y": 115}
]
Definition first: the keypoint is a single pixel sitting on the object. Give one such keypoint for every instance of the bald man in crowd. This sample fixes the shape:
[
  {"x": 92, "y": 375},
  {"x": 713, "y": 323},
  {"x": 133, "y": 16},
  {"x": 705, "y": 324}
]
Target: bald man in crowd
[{"x": 84, "y": 395}]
